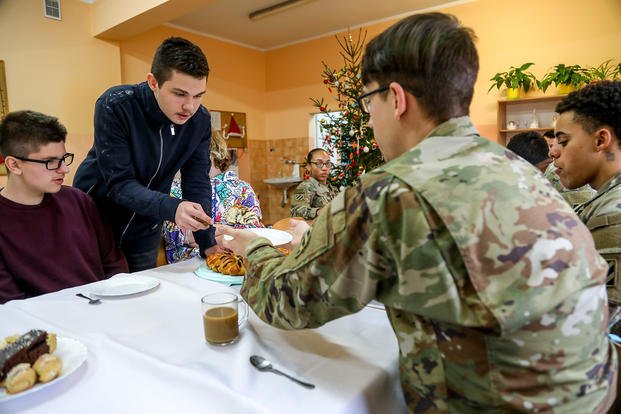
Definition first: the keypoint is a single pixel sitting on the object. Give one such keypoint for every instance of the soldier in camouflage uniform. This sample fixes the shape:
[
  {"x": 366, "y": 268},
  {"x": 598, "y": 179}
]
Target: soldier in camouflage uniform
[
  {"x": 313, "y": 194},
  {"x": 491, "y": 283},
  {"x": 588, "y": 151}
]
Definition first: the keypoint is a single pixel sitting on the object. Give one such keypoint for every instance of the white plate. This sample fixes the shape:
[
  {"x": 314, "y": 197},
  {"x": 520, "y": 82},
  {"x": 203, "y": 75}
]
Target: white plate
[
  {"x": 72, "y": 354},
  {"x": 125, "y": 285},
  {"x": 277, "y": 237}
]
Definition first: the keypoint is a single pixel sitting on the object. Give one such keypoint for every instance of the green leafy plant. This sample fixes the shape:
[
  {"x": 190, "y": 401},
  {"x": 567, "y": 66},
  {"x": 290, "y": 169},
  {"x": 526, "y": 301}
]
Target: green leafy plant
[
  {"x": 561, "y": 74},
  {"x": 514, "y": 78},
  {"x": 605, "y": 70}
]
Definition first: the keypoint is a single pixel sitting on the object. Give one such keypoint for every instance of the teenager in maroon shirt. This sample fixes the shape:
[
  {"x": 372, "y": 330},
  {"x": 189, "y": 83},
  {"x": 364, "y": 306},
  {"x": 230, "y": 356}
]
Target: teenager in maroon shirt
[{"x": 51, "y": 236}]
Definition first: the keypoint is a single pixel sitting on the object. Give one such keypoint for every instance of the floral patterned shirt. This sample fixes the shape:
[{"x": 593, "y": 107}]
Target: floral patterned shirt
[{"x": 228, "y": 191}]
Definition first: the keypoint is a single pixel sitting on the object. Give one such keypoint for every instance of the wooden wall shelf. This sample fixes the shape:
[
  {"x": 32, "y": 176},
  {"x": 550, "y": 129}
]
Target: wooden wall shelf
[{"x": 520, "y": 111}]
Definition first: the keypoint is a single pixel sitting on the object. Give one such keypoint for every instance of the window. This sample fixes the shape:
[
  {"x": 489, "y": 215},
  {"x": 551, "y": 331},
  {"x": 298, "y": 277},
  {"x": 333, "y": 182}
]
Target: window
[
  {"x": 51, "y": 9},
  {"x": 318, "y": 134}
]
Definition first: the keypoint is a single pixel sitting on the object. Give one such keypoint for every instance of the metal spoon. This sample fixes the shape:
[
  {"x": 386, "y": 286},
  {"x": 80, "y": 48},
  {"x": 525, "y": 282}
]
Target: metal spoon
[
  {"x": 263, "y": 364},
  {"x": 91, "y": 301}
]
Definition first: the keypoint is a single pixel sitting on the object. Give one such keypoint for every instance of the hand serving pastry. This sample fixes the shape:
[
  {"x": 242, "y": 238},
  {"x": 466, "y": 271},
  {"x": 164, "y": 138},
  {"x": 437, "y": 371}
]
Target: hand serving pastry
[
  {"x": 26, "y": 359},
  {"x": 226, "y": 263}
]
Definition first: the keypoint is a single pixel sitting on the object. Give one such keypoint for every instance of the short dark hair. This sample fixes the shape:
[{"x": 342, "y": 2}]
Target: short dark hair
[
  {"x": 596, "y": 105},
  {"x": 25, "y": 132},
  {"x": 431, "y": 55},
  {"x": 529, "y": 145},
  {"x": 177, "y": 53}
]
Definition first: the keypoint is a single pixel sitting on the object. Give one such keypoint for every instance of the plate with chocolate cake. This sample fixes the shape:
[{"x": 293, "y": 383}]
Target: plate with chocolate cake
[{"x": 36, "y": 360}]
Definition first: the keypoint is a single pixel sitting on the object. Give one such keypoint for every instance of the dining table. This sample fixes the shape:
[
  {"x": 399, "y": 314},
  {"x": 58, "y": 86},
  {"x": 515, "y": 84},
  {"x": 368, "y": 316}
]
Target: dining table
[{"x": 145, "y": 352}]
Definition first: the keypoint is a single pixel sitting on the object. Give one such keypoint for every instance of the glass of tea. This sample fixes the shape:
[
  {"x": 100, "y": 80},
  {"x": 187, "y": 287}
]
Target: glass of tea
[{"x": 221, "y": 320}]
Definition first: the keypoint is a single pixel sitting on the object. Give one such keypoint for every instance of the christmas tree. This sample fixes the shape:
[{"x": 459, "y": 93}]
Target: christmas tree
[{"x": 346, "y": 134}]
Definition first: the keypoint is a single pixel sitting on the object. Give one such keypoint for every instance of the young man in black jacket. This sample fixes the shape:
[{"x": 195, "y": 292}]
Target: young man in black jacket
[{"x": 144, "y": 134}]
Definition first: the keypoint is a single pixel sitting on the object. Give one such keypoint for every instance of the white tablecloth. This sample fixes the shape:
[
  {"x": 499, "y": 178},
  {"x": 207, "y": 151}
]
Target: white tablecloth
[{"x": 146, "y": 353}]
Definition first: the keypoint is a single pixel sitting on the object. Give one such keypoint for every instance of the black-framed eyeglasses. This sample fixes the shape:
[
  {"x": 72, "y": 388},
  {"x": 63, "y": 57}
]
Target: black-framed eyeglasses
[
  {"x": 320, "y": 164},
  {"x": 364, "y": 100},
  {"x": 52, "y": 163}
]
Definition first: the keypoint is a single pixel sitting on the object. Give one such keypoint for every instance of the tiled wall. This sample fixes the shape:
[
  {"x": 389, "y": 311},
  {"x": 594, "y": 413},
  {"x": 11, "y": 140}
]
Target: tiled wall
[{"x": 267, "y": 159}]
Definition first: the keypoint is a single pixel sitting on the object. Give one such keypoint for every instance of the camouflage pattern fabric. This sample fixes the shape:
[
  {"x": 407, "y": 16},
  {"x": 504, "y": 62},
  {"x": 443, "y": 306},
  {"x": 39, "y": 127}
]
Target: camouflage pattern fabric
[
  {"x": 492, "y": 284},
  {"x": 602, "y": 215},
  {"x": 309, "y": 197},
  {"x": 573, "y": 197}
]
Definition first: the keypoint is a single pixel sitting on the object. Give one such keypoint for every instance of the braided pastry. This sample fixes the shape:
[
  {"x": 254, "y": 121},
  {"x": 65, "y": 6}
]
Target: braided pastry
[{"x": 226, "y": 263}]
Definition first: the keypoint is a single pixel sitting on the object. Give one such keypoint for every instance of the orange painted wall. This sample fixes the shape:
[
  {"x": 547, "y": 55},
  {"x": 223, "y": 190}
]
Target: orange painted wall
[{"x": 56, "y": 67}]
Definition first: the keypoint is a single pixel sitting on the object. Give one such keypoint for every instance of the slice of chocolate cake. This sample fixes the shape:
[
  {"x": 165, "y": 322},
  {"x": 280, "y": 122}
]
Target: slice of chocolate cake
[{"x": 27, "y": 348}]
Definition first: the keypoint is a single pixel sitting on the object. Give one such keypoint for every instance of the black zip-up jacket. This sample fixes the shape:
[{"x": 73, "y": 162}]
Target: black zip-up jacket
[{"x": 134, "y": 158}]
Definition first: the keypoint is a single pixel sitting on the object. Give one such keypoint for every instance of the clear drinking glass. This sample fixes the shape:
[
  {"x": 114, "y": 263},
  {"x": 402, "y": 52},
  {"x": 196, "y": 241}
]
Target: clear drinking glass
[{"x": 221, "y": 317}]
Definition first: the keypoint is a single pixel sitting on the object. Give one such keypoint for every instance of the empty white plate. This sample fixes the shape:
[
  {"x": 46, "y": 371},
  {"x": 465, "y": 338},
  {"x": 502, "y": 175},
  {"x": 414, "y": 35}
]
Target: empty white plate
[
  {"x": 125, "y": 285},
  {"x": 277, "y": 237}
]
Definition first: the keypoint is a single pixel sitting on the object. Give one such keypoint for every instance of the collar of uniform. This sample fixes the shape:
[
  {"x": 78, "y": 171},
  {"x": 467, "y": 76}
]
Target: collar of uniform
[
  {"x": 458, "y": 127},
  {"x": 613, "y": 182},
  {"x": 610, "y": 184}
]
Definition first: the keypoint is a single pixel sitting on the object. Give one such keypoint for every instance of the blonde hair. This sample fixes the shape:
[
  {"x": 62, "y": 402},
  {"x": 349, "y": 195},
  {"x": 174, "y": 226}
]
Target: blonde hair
[{"x": 219, "y": 151}]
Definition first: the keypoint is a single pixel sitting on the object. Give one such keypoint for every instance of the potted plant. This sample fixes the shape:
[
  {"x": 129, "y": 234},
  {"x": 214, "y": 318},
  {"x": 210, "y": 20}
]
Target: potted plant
[
  {"x": 605, "y": 71},
  {"x": 565, "y": 78},
  {"x": 514, "y": 79}
]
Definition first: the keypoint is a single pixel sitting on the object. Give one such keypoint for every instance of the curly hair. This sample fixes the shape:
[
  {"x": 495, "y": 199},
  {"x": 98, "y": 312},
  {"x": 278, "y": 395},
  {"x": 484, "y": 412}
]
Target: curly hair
[
  {"x": 596, "y": 105},
  {"x": 219, "y": 151}
]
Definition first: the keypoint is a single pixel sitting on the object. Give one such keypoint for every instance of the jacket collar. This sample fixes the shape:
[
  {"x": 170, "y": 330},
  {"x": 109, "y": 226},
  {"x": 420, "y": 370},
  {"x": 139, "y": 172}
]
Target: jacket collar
[{"x": 151, "y": 108}]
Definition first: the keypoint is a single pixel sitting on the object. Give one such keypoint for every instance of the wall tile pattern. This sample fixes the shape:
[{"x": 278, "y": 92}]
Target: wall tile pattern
[{"x": 267, "y": 159}]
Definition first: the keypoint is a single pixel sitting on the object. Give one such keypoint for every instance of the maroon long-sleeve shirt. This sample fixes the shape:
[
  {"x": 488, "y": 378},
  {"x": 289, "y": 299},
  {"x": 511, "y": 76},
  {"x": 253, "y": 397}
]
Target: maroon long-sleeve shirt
[{"x": 59, "y": 243}]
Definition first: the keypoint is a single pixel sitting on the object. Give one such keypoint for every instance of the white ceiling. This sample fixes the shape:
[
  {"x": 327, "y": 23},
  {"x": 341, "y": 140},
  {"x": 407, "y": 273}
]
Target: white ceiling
[{"x": 228, "y": 19}]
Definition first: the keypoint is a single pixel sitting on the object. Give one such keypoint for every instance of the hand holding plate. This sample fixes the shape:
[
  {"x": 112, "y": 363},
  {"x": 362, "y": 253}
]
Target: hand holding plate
[{"x": 232, "y": 239}]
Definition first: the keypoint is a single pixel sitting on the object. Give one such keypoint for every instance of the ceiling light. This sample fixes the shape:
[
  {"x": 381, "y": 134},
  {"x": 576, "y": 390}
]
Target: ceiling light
[{"x": 276, "y": 8}]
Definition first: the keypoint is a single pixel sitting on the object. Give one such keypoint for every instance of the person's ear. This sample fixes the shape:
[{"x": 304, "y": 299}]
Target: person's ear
[
  {"x": 151, "y": 81},
  {"x": 603, "y": 139},
  {"x": 400, "y": 99},
  {"x": 12, "y": 165}
]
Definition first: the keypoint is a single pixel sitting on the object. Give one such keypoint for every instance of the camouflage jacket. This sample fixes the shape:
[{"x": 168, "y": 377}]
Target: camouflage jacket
[
  {"x": 573, "y": 197},
  {"x": 602, "y": 215},
  {"x": 309, "y": 197},
  {"x": 490, "y": 281}
]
